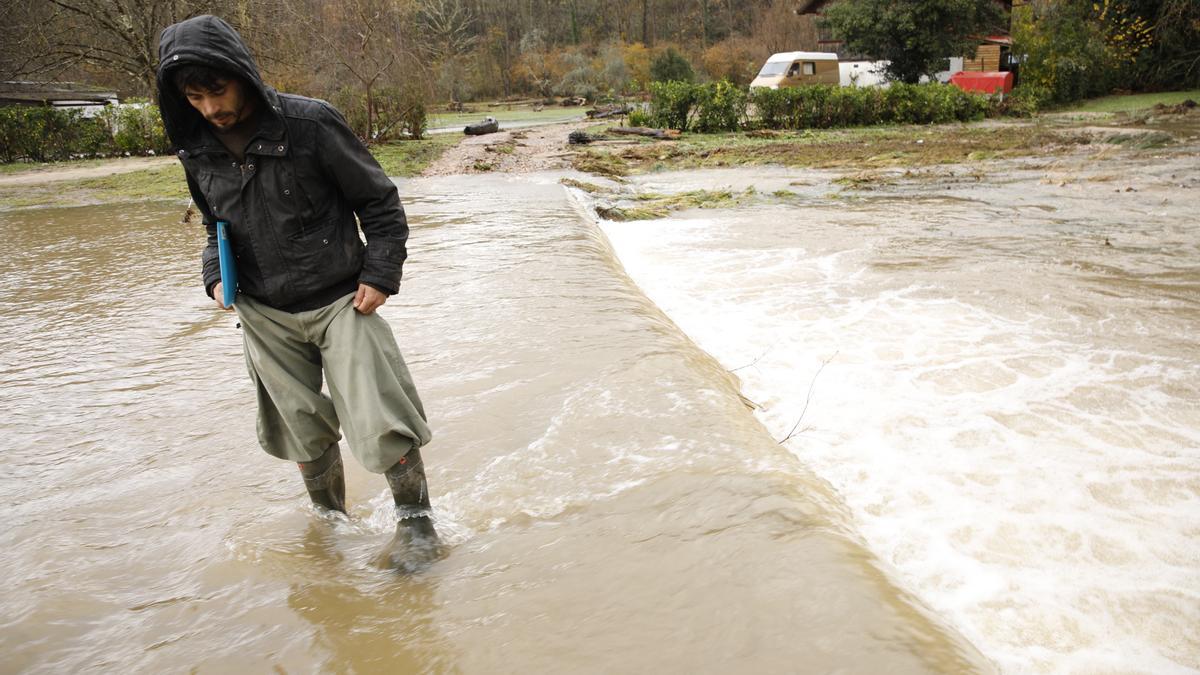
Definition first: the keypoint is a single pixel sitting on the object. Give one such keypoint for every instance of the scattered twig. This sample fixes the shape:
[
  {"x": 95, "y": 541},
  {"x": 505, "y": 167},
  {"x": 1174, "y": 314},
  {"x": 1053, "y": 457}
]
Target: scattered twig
[
  {"x": 755, "y": 361},
  {"x": 807, "y": 399}
]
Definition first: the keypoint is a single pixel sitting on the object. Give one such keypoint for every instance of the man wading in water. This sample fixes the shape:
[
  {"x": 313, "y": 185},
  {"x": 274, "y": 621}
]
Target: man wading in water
[{"x": 289, "y": 177}]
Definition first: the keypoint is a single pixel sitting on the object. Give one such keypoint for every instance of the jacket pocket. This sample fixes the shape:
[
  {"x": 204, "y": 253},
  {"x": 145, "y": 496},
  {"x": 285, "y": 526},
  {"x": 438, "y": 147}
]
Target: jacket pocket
[{"x": 319, "y": 257}]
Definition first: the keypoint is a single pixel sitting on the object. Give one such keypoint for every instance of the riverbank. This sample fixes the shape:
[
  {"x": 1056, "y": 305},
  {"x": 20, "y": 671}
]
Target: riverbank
[
  {"x": 545, "y": 148},
  {"x": 112, "y": 181},
  {"x": 887, "y": 147}
]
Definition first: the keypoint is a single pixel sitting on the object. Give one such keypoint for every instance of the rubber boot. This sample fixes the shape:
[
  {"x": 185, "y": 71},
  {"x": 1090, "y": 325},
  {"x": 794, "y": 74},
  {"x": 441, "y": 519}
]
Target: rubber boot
[
  {"x": 415, "y": 544},
  {"x": 325, "y": 480}
]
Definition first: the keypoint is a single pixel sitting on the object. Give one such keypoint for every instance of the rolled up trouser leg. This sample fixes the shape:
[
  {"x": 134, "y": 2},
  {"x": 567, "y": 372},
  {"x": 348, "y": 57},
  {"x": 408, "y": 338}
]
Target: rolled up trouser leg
[
  {"x": 372, "y": 390},
  {"x": 325, "y": 480}
]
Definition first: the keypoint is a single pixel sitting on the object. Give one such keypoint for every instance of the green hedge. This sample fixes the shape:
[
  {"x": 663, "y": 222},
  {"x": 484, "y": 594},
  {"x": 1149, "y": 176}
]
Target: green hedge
[
  {"x": 44, "y": 134},
  {"x": 824, "y": 105},
  {"x": 722, "y": 106}
]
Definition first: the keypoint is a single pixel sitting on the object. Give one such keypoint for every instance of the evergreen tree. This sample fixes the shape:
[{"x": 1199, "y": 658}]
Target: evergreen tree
[{"x": 671, "y": 66}]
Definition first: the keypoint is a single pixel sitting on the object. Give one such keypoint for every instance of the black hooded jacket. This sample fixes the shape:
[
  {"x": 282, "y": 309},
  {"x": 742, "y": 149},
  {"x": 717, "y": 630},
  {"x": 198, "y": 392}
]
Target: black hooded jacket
[{"x": 291, "y": 206}]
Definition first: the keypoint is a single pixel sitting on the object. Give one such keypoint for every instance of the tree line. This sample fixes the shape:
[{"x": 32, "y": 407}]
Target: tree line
[{"x": 369, "y": 55}]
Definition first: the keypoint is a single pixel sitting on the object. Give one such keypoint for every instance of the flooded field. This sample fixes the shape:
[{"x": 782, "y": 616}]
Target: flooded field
[
  {"x": 995, "y": 368},
  {"x": 610, "y": 501},
  {"x": 928, "y": 419}
]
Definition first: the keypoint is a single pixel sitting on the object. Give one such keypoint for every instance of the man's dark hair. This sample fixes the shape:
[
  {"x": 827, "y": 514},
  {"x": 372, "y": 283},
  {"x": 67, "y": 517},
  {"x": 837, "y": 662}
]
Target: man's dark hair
[{"x": 200, "y": 77}]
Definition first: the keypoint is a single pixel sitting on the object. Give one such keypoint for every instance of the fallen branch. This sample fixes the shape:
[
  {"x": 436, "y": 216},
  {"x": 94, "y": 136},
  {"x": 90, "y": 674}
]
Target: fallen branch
[
  {"x": 807, "y": 399},
  {"x": 755, "y": 361},
  {"x": 662, "y": 134},
  {"x": 611, "y": 111}
]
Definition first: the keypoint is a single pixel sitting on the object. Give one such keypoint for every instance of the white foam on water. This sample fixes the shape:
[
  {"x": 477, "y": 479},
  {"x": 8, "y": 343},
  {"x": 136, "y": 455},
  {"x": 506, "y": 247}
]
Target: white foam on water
[{"x": 1016, "y": 438}]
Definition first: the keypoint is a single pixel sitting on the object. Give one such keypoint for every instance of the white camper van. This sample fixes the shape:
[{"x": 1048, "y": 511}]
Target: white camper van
[{"x": 789, "y": 69}]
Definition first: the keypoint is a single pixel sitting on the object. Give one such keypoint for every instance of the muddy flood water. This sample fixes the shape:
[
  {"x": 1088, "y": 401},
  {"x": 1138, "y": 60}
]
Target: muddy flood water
[{"x": 993, "y": 462}]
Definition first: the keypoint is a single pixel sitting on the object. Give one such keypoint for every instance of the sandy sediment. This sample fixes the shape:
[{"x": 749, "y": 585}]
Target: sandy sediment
[{"x": 524, "y": 150}]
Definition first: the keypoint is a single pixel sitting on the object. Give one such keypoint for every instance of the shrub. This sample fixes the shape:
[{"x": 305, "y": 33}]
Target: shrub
[
  {"x": 734, "y": 59},
  {"x": 823, "y": 105},
  {"x": 637, "y": 61},
  {"x": 1066, "y": 55},
  {"x": 135, "y": 128},
  {"x": 671, "y": 104},
  {"x": 397, "y": 112},
  {"x": 400, "y": 113},
  {"x": 671, "y": 66},
  {"x": 720, "y": 106},
  {"x": 45, "y": 134},
  {"x": 580, "y": 80},
  {"x": 641, "y": 118}
]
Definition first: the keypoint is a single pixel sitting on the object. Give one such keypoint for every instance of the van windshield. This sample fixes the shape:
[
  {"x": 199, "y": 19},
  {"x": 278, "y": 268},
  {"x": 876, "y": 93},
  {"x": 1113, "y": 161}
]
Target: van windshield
[{"x": 773, "y": 68}]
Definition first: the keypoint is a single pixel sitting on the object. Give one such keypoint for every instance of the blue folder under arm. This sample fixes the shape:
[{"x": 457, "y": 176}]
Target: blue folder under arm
[{"x": 228, "y": 264}]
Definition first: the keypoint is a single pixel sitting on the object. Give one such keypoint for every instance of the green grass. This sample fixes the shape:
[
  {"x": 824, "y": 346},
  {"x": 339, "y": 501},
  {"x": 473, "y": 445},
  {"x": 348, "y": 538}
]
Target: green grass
[
  {"x": 404, "y": 158},
  {"x": 165, "y": 182},
  {"x": 33, "y": 167},
  {"x": 409, "y": 158},
  {"x": 162, "y": 183},
  {"x": 872, "y": 147},
  {"x": 1130, "y": 102},
  {"x": 510, "y": 114}
]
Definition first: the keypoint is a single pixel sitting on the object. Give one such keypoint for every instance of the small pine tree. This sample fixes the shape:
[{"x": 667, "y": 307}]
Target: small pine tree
[{"x": 671, "y": 66}]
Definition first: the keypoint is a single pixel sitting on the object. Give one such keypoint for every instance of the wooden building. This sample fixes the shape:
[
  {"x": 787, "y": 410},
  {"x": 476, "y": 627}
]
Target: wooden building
[{"x": 55, "y": 94}]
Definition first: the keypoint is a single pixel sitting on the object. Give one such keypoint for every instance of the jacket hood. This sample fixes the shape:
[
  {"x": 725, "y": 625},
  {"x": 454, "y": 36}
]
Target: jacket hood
[{"x": 208, "y": 41}]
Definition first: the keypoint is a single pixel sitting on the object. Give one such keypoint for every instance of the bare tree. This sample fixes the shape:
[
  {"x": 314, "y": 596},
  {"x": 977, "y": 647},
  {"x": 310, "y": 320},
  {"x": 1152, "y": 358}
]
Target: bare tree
[
  {"x": 361, "y": 36},
  {"x": 119, "y": 37},
  {"x": 447, "y": 27}
]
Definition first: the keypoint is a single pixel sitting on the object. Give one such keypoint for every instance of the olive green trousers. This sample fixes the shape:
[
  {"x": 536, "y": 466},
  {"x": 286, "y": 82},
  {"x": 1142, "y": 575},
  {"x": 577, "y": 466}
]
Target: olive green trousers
[{"x": 371, "y": 394}]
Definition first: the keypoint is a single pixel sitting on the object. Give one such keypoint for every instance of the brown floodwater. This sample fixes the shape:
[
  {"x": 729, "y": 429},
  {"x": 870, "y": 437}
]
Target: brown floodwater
[
  {"x": 994, "y": 367},
  {"x": 610, "y": 501}
]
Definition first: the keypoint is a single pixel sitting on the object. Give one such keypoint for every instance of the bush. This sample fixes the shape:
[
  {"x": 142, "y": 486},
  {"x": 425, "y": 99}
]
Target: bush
[
  {"x": 671, "y": 104},
  {"x": 1024, "y": 101},
  {"x": 824, "y": 106},
  {"x": 1066, "y": 55},
  {"x": 671, "y": 66},
  {"x": 398, "y": 112},
  {"x": 641, "y": 118},
  {"x": 734, "y": 59},
  {"x": 720, "y": 106},
  {"x": 707, "y": 108},
  {"x": 135, "y": 128},
  {"x": 45, "y": 134}
]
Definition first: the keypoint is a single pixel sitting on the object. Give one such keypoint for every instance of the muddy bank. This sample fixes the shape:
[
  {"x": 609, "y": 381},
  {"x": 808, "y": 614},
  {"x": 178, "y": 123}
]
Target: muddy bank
[
  {"x": 890, "y": 147},
  {"x": 524, "y": 150}
]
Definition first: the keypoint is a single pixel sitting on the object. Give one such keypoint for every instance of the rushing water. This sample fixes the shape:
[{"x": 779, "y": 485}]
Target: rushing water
[
  {"x": 996, "y": 371},
  {"x": 610, "y": 500}
]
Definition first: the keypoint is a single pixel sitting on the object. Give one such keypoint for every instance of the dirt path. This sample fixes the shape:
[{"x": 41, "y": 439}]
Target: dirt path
[
  {"x": 542, "y": 148},
  {"x": 53, "y": 174}
]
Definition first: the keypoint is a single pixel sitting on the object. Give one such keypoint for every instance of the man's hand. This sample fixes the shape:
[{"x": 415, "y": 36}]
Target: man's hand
[
  {"x": 368, "y": 299},
  {"x": 218, "y": 295}
]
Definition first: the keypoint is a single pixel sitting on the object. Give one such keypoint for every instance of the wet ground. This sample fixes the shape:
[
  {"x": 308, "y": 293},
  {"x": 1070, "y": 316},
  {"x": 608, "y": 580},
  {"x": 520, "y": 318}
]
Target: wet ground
[
  {"x": 610, "y": 501},
  {"x": 985, "y": 375}
]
